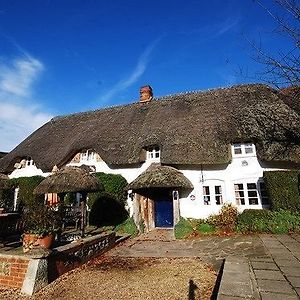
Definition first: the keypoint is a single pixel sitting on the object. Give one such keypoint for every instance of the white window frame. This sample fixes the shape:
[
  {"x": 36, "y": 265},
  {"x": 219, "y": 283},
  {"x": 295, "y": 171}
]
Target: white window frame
[
  {"x": 88, "y": 156},
  {"x": 244, "y": 149},
  {"x": 209, "y": 195},
  {"x": 242, "y": 193},
  {"x": 153, "y": 153},
  {"x": 29, "y": 162}
]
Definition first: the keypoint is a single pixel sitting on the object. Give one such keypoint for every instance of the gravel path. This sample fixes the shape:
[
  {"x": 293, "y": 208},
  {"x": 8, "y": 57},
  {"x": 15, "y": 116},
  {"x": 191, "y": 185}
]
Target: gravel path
[{"x": 129, "y": 278}]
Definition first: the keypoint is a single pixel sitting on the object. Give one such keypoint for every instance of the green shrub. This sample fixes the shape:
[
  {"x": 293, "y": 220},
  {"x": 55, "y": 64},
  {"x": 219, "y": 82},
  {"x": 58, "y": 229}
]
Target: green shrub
[
  {"x": 183, "y": 229},
  {"x": 106, "y": 211},
  {"x": 283, "y": 189},
  {"x": 253, "y": 220},
  {"x": 206, "y": 228},
  {"x": 281, "y": 221},
  {"x": 114, "y": 184},
  {"x": 7, "y": 199},
  {"x": 108, "y": 207},
  {"x": 26, "y": 185},
  {"x": 128, "y": 226},
  {"x": 226, "y": 219}
]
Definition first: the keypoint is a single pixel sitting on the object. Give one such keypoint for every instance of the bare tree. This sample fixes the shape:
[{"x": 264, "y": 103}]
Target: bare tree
[{"x": 281, "y": 69}]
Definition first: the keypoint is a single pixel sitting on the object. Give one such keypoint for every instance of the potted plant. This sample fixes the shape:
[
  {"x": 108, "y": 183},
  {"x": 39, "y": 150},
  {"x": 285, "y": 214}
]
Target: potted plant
[{"x": 40, "y": 222}]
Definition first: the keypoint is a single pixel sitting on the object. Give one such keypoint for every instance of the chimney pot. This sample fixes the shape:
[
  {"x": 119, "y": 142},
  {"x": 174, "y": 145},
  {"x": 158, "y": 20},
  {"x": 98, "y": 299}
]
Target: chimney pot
[{"x": 146, "y": 93}]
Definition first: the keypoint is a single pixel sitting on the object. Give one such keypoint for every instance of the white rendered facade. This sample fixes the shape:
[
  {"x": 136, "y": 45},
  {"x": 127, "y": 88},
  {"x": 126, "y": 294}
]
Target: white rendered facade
[{"x": 238, "y": 182}]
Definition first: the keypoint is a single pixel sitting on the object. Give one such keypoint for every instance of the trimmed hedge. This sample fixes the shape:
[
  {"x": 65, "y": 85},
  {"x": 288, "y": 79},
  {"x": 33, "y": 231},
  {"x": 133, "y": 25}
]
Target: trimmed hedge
[
  {"x": 108, "y": 207},
  {"x": 281, "y": 221},
  {"x": 25, "y": 197},
  {"x": 283, "y": 189}
]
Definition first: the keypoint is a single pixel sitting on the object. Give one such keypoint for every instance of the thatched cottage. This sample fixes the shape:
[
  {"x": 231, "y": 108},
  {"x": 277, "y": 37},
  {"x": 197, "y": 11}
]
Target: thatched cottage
[{"x": 183, "y": 155}]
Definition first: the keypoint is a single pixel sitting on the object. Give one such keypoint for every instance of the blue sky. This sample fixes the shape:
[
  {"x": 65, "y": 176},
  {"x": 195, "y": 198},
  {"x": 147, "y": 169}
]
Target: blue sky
[{"x": 63, "y": 56}]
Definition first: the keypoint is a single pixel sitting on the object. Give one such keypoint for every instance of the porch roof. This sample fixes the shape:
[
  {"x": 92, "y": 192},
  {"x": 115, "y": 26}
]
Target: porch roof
[{"x": 157, "y": 176}]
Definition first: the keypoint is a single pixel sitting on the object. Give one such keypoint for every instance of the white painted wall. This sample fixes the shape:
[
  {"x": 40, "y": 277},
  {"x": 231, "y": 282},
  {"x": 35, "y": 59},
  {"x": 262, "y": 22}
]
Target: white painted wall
[{"x": 243, "y": 168}]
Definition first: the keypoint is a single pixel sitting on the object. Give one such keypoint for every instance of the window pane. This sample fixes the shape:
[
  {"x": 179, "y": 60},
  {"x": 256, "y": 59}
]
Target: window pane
[
  {"x": 218, "y": 189},
  {"x": 253, "y": 201},
  {"x": 251, "y": 186},
  {"x": 206, "y": 200},
  {"x": 219, "y": 200},
  {"x": 238, "y": 186},
  {"x": 237, "y": 148},
  {"x": 240, "y": 201},
  {"x": 248, "y": 148},
  {"x": 252, "y": 193},
  {"x": 205, "y": 190}
]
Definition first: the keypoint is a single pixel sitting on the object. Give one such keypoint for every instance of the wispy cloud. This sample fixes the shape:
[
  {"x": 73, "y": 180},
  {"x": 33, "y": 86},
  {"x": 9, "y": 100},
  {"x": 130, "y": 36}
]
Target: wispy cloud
[
  {"x": 226, "y": 26},
  {"x": 17, "y": 78},
  {"x": 133, "y": 77},
  {"x": 19, "y": 113}
]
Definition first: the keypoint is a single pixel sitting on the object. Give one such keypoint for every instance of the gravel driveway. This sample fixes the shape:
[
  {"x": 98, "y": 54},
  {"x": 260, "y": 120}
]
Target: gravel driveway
[{"x": 130, "y": 278}]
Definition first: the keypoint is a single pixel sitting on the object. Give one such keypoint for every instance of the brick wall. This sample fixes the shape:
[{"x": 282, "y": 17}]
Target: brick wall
[{"x": 12, "y": 271}]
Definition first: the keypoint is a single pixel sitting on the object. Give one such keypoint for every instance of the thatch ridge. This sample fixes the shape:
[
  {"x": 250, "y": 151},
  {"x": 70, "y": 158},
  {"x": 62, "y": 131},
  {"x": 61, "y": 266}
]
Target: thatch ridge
[{"x": 192, "y": 128}]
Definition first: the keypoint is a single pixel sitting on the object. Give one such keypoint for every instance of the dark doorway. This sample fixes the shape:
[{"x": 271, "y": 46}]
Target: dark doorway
[{"x": 163, "y": 210}]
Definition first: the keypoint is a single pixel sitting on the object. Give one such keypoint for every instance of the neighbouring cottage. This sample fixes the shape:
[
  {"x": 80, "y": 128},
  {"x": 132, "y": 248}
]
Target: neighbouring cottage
[{"x": 183, "y": 155}]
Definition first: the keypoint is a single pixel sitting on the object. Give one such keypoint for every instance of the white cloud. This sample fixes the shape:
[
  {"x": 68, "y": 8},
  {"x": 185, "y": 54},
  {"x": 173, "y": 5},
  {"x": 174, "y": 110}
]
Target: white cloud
[
  {"x": 17, "y": 78},
  {"x": 137, "y": 72},
  {"x": 19, "y": 115}
]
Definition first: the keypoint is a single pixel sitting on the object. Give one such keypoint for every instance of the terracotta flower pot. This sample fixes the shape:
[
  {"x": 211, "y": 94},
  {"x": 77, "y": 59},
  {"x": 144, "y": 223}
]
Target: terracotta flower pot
[
  {"x": 33, "y": 240},
  {"x": 46, "y": 241}
]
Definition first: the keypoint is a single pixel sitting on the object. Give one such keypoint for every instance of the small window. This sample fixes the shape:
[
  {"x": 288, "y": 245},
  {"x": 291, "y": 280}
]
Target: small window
[
  {"x": 252, "y": 194},
  {"x": 239, "y": 194},
  {"x": 247, "y": 149},
  {"x": 206, "y": 195},
  {"x": 29, "y": 162},
  {"x": 246, "y": 193},
  {"x": 218, "y": 195},
  {"x": 88, "y": 155},
  {"x": 237, "y": 149},
  {"x": 153, "y": 153}
]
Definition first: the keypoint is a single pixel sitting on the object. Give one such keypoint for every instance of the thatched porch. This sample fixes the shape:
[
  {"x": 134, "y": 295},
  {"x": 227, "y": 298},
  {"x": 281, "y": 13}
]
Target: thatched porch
[{"x": 155, "y": 196}]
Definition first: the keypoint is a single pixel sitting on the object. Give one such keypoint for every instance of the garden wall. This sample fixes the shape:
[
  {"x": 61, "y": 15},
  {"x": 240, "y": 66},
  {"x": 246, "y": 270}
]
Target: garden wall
[
  {"x": 13, "y": 270},
  {"x": 31, "y": 274}
]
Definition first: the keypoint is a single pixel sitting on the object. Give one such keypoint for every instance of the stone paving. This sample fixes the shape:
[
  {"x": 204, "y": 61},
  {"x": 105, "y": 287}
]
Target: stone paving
[
  {"x": 211, "y": 249},
  {"x": 264, "y": 267}
]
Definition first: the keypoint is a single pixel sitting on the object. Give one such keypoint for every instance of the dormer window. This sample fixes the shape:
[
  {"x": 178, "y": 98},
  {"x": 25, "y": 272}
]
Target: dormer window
[
  {"x": 29, "y": 162},
  {"x": 87, "y": 156},
  {"x": 153, "y": 153},
  {"x": 247, "y": 149}
]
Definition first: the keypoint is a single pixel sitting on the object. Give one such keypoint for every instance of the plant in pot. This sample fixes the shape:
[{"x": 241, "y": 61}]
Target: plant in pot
[{"x": 40, "y": 225}]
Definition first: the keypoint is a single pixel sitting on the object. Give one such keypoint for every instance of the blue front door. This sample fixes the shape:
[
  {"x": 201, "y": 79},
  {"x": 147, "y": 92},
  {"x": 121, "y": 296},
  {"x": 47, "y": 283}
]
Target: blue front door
[{"x": 163, "y": 213}]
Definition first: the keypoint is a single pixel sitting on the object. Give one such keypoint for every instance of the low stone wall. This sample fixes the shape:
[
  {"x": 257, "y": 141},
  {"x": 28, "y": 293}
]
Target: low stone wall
[
  {"x": 31, "y": 274},
  {"x": 13, "y": 270},
  {"x": 70, "y": 256}
]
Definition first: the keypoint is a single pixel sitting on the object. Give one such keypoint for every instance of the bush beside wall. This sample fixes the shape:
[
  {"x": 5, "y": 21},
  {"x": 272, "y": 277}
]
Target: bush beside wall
[
  {"x": 108, "y": 207},
  {"x": 25, "y": 197},
  {"x": 283, "y": 189}
]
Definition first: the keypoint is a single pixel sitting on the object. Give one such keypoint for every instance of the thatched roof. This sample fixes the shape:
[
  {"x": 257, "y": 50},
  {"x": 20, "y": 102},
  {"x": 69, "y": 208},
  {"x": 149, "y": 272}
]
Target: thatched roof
[
  {"x": 4, "y": 181},
  {"x": 190, "y": 129},
  {"x": 157, "y": 176},
  {"x": 69, "y": 179}
]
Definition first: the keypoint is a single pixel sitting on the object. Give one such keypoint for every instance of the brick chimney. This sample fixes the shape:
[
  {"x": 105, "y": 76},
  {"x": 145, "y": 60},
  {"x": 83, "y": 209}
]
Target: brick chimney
[{"x": 146, "y": 94}]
